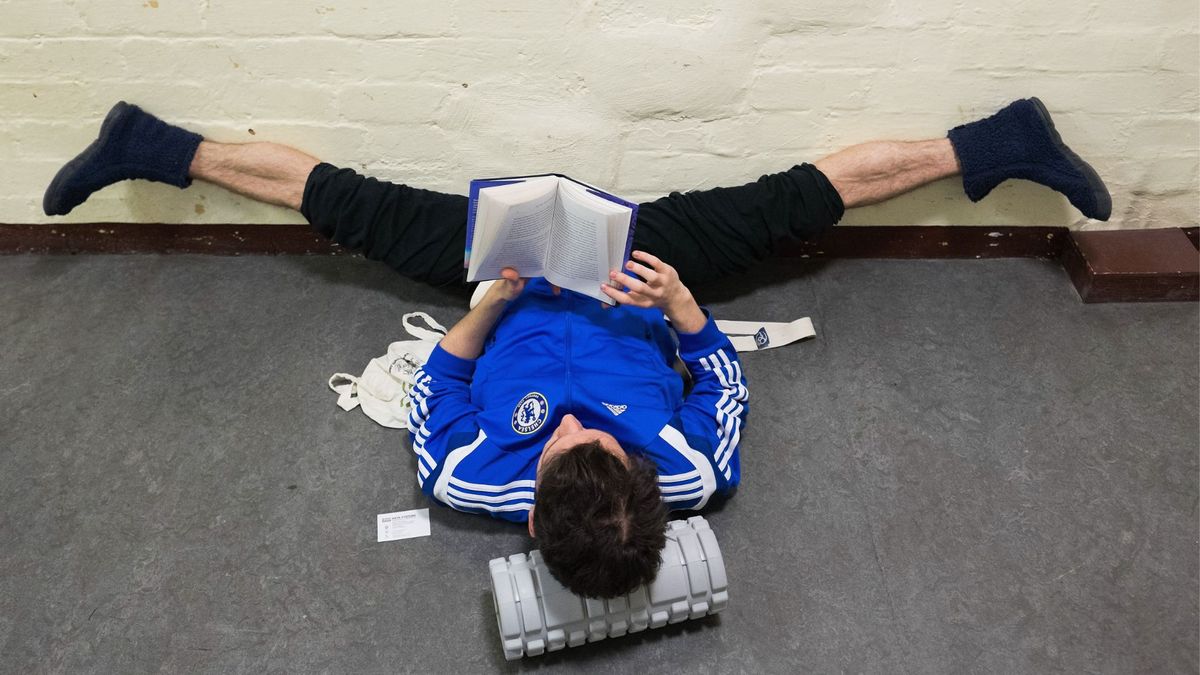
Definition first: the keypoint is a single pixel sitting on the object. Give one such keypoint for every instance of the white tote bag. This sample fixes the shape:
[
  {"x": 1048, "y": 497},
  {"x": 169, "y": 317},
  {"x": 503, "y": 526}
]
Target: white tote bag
[{"x": 383, "y": 389}]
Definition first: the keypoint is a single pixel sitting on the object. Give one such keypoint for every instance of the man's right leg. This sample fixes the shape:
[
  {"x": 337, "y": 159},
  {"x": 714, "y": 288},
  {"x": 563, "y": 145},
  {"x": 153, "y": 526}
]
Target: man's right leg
[
  {"x": 874, "y": 172},
  {"x": 707, "y": 234},
  {"x": 1019, "y": 141}
]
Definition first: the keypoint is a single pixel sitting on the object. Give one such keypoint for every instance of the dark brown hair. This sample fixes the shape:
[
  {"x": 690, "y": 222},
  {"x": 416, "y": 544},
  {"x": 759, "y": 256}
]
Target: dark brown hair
[{"x": 599, "y": 524}]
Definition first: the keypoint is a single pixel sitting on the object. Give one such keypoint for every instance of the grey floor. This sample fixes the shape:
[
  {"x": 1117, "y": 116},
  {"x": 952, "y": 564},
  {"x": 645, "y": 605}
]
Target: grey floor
[{"x": 968, "y": 470}]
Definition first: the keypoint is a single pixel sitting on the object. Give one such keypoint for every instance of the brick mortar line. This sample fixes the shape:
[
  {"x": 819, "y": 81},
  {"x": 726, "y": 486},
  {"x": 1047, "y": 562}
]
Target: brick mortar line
[{"x": 200, "y": 36}]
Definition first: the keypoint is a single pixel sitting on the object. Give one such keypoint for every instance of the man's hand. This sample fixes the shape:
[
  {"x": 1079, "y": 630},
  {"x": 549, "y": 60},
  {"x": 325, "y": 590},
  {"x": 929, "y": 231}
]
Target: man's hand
[
  {"x": 507, "y": 287},
  {"x": 659, "y": 287},
  {"x": 465, "y": 339}
]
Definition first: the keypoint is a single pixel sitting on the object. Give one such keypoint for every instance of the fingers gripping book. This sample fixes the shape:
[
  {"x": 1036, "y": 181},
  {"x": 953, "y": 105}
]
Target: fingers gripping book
[{"x": 548, "y": 226}]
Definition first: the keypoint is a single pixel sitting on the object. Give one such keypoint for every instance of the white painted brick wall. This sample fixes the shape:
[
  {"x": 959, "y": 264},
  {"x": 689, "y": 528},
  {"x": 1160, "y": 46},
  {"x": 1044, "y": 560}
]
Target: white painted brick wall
[{"x": 642, "y": 97}]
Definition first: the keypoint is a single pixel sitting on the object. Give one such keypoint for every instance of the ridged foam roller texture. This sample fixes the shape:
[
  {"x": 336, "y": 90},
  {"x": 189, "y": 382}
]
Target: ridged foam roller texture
[{"x": 537, "y": 615}]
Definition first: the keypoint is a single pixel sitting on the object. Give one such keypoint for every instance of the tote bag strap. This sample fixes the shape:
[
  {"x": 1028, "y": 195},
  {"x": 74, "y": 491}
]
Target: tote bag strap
[
  {"x": 438, "y": 332},
  {"x": 754, "y": 336},
  {"x": 345, "y": 386}
]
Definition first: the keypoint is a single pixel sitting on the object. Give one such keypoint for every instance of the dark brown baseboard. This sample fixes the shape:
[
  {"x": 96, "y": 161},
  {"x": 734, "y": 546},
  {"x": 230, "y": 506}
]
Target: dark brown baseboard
[
  {"x": 1158, "y": 265},
  {"x": 876, "y": 241},
  {"x": 1106, "y": 266},
  {"x": 931, "y": 241},
  {"x": 215, "y": 239}
]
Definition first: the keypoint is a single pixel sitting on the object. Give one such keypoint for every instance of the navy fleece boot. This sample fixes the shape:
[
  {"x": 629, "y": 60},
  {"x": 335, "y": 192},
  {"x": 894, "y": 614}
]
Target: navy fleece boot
[
  {"x": 1020, "y": 142},
  {"x": 132, "y": 144}
]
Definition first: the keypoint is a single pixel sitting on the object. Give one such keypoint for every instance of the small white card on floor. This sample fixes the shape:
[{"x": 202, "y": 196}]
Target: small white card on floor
[{"x": 403, "y": 525}]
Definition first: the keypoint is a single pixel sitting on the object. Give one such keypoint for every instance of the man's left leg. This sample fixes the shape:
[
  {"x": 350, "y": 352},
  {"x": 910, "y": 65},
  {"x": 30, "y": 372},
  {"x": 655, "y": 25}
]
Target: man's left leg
[
  {"x": 133, "y": 144},
  {"x": 419, "y": 233},
  {"x": 265, "y": 172}
]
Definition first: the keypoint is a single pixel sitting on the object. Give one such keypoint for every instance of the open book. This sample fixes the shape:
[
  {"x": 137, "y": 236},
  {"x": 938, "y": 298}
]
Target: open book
[{"x": 548, "y": 226}]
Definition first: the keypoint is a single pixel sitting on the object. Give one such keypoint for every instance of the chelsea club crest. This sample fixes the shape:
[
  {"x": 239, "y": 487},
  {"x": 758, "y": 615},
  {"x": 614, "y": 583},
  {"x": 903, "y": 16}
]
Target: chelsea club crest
[{"x": 530, "y": 413}]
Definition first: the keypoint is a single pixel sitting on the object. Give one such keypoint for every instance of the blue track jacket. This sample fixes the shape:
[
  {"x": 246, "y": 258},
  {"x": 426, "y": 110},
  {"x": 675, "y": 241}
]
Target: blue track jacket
[{"x": 478, "y": 427}]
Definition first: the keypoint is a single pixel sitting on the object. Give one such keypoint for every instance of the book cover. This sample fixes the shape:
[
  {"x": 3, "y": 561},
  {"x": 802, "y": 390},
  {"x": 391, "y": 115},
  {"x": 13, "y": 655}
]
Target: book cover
[{"x": 481, "y": 183}]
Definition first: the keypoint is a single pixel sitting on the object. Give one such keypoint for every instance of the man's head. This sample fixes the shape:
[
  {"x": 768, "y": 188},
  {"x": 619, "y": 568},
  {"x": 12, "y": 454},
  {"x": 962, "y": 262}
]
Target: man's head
[{"x": 599, "y": 521}]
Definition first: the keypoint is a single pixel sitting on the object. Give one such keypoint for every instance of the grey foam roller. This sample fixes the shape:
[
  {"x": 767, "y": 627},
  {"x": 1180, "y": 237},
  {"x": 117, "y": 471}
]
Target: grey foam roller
[{"x": 536, "y": 614}]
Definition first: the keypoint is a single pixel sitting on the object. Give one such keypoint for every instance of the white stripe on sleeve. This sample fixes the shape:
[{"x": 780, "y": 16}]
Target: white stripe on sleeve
[
  {"x": 687, "y": 497},
  {"x": 708, "y": 479},
  {"x": 482, "y": 487},
  {"x": 686, "y": 487},
  {"x": 734, "y": 369},
  {"x": 452, "y": 460},
  {"x": 460, "y": 505},
  {"x": 491, "y": 499},
  {"x": 677, "y": 477}
]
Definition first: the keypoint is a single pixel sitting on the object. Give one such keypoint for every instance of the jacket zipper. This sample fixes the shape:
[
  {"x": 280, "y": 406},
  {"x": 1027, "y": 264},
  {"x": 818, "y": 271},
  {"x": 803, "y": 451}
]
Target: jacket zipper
[{"x": 567, "y": 350}]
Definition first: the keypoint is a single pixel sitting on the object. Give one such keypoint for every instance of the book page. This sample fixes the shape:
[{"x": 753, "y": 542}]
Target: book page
[
  {"x": 618, "y": 237},
  {"x": 579, "y": 256},
  {"x": 512, "y": 227}
]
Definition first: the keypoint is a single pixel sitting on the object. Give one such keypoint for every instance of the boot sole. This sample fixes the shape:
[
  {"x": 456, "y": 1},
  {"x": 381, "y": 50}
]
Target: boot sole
[
  {"x": 52, "y": 196},
  {"x": 1099, "y": 190}
]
